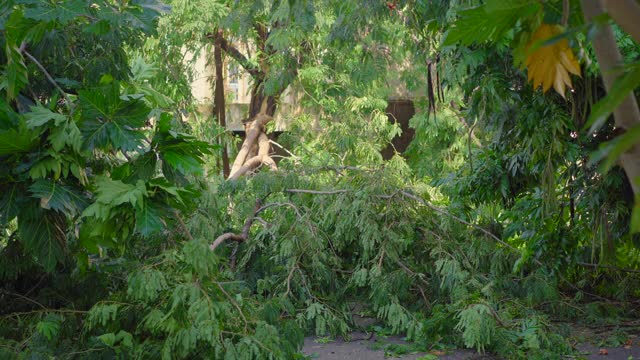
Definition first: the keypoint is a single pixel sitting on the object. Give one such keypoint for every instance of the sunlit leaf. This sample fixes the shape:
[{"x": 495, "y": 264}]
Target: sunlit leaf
[
  {"x": 489, "y": 22},
  {"x": 115, "y": 192}
]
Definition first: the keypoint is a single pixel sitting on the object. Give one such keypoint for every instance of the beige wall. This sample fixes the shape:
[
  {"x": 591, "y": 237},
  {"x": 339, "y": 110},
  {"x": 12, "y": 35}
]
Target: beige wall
[{"x": 238, "y": 92}]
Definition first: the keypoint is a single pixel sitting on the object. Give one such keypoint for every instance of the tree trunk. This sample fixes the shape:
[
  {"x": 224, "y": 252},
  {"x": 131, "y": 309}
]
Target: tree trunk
[
  {"x": 219, "y": 108},
  {"x": 627, "y": 115},
  {"x": 256, "y": 146}
]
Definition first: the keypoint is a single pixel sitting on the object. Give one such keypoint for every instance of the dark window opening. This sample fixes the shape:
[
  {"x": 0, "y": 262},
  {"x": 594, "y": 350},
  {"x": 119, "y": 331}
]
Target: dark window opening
[{"x": 400, "y": 111}]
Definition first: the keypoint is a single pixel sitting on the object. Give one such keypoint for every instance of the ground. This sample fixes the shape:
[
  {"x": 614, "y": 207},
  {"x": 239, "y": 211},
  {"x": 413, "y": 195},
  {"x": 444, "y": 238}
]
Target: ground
[{"x": 373, "y": 349}]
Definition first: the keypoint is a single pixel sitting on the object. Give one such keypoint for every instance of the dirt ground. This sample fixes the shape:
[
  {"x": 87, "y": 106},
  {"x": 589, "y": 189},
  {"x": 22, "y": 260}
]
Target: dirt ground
[{"x": 338, "y": 349}]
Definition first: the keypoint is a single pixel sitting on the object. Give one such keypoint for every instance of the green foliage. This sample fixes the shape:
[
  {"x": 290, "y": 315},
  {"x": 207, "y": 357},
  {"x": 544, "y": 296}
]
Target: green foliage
[
  {"x": 477, "y": 325},
  {"x": 491, "y": 224},
  {"x": 68, "y": 142},
  {"x": 490, "y": 22},
  {"x": 621, "y": 89}
]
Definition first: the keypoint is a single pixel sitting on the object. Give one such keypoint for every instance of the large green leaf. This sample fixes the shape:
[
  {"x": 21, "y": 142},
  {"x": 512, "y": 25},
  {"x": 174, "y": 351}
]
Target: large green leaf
[
  {"x": 60, "y": 11},
  {"x": 110, "y": 120},
  {"x": 96, "y": 232},
  {"x": 184, "y": 154},
  {"x": 489, "y": 22},
  {"x": 115, "y": 192},
  {"x": 15, "y": 72},
  {"x": 144, "y": 167},
  {"x": 144, "y": 13},
  {"x": 43, "y": 234},
  {"x": 68, "y": 135},
  {"x": 53, "y": 195},
  {"x": 148, "y": 220},
  {"x": 8, "y": 117},
  {"x": 16, "y": 141},
  {"x": 140, "y": 14},
  {"x": 10, "y": 196},
  {"x": 40, "y": 115}
]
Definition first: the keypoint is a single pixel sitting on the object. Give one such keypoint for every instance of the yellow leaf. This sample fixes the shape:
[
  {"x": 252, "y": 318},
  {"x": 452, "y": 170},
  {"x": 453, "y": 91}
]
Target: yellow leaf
[{"x": 550, "y": 65}]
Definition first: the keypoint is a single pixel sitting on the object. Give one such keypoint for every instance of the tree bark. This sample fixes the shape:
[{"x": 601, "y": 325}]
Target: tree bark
[
  {"x": 245, "y": 163},
  {"x": 219, "y": 108},
  {"x": 255, "y": 147},
  {"x": 627, "y": 115},
  {"x": 627, "y": 14}
]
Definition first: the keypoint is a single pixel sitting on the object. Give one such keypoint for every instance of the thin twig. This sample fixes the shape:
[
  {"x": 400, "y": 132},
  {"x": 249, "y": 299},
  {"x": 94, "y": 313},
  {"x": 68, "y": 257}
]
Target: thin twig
[
  {"x": 316, "y": 192},
  {"x": 444, "y": 212},
  {"x": 235, "y": 304},
  {"x": 24, "y": 298},
  {"x": 609, "y": 267},
  {"x": 49, "y": 77},
  {"x": 289, "y": 277},
  {"x": 284, "y": 149},
  {"x": 183, "y": 225},
  {"x": 245, "y": 229}
]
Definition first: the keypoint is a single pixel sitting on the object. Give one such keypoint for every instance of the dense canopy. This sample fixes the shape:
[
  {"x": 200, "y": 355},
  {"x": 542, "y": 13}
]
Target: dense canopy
[{"x": 463, "y": 173}]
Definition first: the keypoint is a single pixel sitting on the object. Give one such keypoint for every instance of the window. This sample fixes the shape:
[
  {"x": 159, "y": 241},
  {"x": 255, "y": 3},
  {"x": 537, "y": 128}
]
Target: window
[{"x": 233, "y": 76}]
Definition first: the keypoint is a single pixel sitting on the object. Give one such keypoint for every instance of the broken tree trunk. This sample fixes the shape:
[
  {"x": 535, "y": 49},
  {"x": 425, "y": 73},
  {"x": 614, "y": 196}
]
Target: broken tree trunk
[{"x": 255, "y": 138}]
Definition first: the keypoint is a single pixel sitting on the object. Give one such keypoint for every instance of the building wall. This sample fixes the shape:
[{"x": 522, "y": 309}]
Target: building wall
[
  {"x": 238, "y": 97},
  {"x": 237, "y": 92}
]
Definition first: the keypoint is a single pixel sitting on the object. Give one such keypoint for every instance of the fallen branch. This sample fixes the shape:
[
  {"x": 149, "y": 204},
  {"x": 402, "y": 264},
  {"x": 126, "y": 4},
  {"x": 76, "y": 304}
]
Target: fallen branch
[
  {"x": 415, "y": 198},
  {"x": 244, "y": 235},
  {"x": 444, "y": 212}
]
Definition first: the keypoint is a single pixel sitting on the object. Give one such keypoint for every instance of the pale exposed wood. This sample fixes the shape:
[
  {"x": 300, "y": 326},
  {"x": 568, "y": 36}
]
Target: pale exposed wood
[
  {"x": 254, "y": 129},
  {"x": 609, "y": 58},
  {"x": 222, "y": 238},
  {"x": 625, "y": 13},
  {"x": 244, "y": 235},
  {"x": 262, "y": 157}
]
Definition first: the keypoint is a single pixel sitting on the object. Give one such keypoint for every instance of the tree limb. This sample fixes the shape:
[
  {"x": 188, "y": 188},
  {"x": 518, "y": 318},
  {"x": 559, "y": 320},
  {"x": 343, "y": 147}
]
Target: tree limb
[
  {"x": 67, "y": 99},
  {"x": 246, "y": 64},
  {"x": 261, "y": 158},
  {"x": 254, "y": 131},
  {"x": 245, "y": 229},
  {"x": 317, "y": 192}
]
